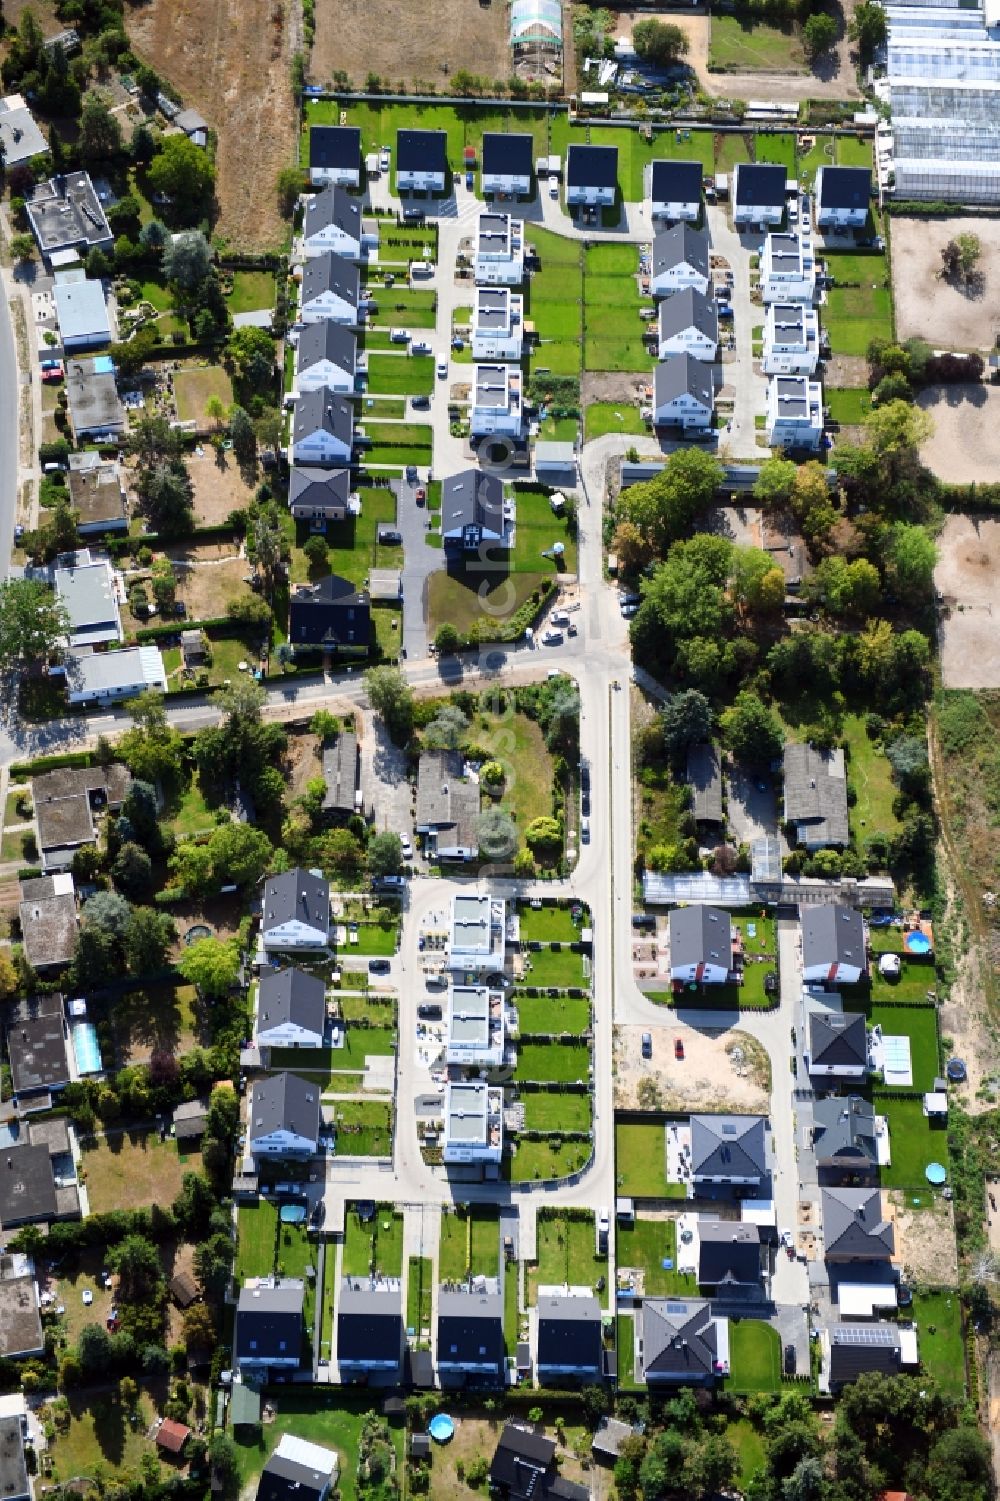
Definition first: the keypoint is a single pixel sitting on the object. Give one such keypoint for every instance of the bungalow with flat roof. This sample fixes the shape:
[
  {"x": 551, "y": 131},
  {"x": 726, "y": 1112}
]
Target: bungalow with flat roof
[
  {"x": 675, "y": 190},
  {"x": 569, "y": 1338},
  {"x": 82, "y": 312},
  {"x": 268, "y": 1333},
  {"x": 105, "y": 677},
  {"x": 321, "y": 495},
  {"x": 291, "y": 1009},
  {"x": 815, "y": 790},
  {"x": 96, "y": 494},
  {"x": 834, "y": 944},
  {"x": 591, "y": 176},
  {"x": 688, "y": 324},
  {"x": 704, "y": 777},
  {"x": 28, "y": 1190},
  {"x": 729, "y": 1257},
  {"x": 370, "y": 1328},
  {"x": 421, "y": 161},
  {"x": 340, "y": 773},
  {"x": 14, "y": 1482},
  {"x": 326, "y": 356},
  {"x": 334, "y": 221},
  {"x": 506, "y": 163},
  {"x": 499, "y": 250},
  {"x": 36, "y": 1047},
  {"x": 794, "y": 414},
  {"x": 20, "y": 137},
  {"x": 335, "y": 156},
  {"x": 85, "y": 586},
  {"x": 21, "y": 1334},
  {"x": 296, "y": 912},
  {"x": 729, "y": 1149},
  {"x": 854, "y": 1226},
  {"x": 473, "y": 1123},
  {"x": 791, "y": 339},
  {"x": 95, "y": 409},
  {"x": 330, "y": 290},
  {"x": 758, "y": 194},
  {"x": 448, "y": 808},
  {"x": 49, "y": 920},
  {"x": 679, "y": 1342},
  {"x": 322, "y": 430},
  {"x": 680, "y": 259},
  {"x": 701, "y": 945},
  {"x": 683, "y": 393},
  {"x": 470, "y": 1339},
  {"x": 845, "y": 1135},
  {"x": 331, "y": 614},
  {"x": 65, "y": 213},
  {"x": 497, "y": 324},
  {"x": 283, "y": 1118},
  {"x": 475, "y": 516},
  {"x": 843, "y": 197}
]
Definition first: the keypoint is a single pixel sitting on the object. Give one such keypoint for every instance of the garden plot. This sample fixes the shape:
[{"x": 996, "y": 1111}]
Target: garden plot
[
  {"x": 968, "y": 577},
  {"x": 928, "y": 307}
]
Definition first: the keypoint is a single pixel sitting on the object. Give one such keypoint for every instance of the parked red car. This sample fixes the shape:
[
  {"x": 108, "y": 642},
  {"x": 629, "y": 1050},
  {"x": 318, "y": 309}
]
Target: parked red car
[{"x": 678, "y": 1047}]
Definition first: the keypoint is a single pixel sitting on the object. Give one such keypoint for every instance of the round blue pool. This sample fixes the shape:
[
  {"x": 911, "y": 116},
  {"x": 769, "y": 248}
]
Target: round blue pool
[
  {"x": 936, "y": 1173},
  {"x": 918, "y": 943},
  {"x": 441, "y": 1428}
]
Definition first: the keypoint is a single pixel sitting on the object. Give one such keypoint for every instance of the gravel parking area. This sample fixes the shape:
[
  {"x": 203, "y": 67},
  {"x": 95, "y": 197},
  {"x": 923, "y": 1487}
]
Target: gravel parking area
[
  {"x": 930, "y": 307},
  {"x": 967, "y": 577},
  {"x": 965, "y": 445}
]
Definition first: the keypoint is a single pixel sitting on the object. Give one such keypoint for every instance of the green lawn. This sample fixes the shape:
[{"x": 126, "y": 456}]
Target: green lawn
[
  {"x": 853, "y": 316},
  {"x": 537, "y": 528},
  {"x": 553, "y": 1062},
  {"x": 625, "y": 1345},
  {"x": 731, "y": 149},
  {"x": 373, "y": 939},
  {"x": 329, "y": 1416},
  {"x": 754, "y": 1357},
  {"x": 256, "y": 1231},
  {"x": 646, "y": 1245},
  {"x": 869, "y": 776},
  {"x": 938, "y": 1317},
  {"x": 641, "y": 1161},
  {"x": 101, "y": 1439},
  {"x": 554, "y": 967},
  {"x": 383, "y": 408},
  {"x": 919, "y": 1024},
  {"x": 377, "y": 1244},
  {"x": 634, "y": 153},
  {"x": 848, "y": 405},
  {"x": 548, "y": 924},
  {"x": 419, "y": 1288},
  {"x": 470, "y": 1242},
  {"x": 511, "y": 1314},
  {"x": 552, "y": 1015},
  {"x": 913, "y": 1142},
  {"x": 551, "y": 1158},
  {"x": 252, "y": 290},
  {"x": 401, "y": 375},
  {"x": 548, "y": 1111},
  {"x": 188, "y": 813},
  {"x": 364, "y": 1128},
  {"x": 157, "y": 294},
  {"x": 776, "y": 149},
  {"x": 749, "y": 1445},
  {"x": 358, "y": 1043},
  {"x": 741, "y": 45},
  {"x": 613, "y": 417},
  {"x": 565, "y": 1253},
  {"x": 353, "y": 548}
]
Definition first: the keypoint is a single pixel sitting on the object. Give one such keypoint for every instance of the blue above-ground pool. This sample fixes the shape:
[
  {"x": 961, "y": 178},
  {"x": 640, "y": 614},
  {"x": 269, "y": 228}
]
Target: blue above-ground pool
[
  {"x": 936, "y": 1173},
  {"x": 441, "y": 1428},
  {"x": 917, "y": 943}
]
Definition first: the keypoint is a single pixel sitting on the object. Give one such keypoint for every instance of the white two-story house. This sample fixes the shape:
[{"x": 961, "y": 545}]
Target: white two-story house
[
  {"x": 473, "y": 1123},
  {"x": 296, "y": 912},
  {"x": 675, "y": 191},
  {"x": 591, "y": 176},
  {"x": 680, "y": 259},
  {"x": 421, "y": 161},
  {"x": 794, "y": 412},
  {"x": 322, "y": 429},
  {"x": 331, "y": 289},
  {"x": 758, "y": 194},
  {"x": 496, "y": 401},
  {"x": 688, "y": 324},
  {"x": 843, "y": 196},
  {"x": 788, "y": 268},
  {"x": 791, "y": 339},
  {"x": 326, "y": 355},
  {"x": 334, "y": 221},
  {"x": 497, "y": 324},
  {"x": 499, "y": 250},
  {"x": 283, "y": 1117},
  {"x": 507, "y": 163},
  {"x": 291, "y": 1009},
  {"x": 335, "y": 156},
  {"x": 683, "y": 393}
]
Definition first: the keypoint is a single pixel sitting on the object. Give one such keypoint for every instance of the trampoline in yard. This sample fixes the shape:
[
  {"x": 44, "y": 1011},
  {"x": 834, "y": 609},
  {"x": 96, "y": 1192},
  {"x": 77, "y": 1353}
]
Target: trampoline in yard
[
  {"x": 441, "y": 1428},
  {"x": 199, "y": 930}
]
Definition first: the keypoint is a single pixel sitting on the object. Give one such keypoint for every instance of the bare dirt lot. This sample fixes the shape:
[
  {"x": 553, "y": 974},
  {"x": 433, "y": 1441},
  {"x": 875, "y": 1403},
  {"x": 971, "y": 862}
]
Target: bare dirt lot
[
  {"x": 925, "y": 1240},
  {"x": 218, "y": 487},
  {"x": 709, "y": 1077},
  {"x": 968, "y": 578},
  {"x": 965, "y": 446},
  {"x": 930, "y": 307},
  {"x": 231, "y": 60},
  {"x": 410, "y": 44}
]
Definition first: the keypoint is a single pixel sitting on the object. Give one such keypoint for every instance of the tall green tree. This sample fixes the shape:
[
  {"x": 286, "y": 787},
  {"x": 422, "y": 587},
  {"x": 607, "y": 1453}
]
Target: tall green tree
[{"x": 33, "y": 625}]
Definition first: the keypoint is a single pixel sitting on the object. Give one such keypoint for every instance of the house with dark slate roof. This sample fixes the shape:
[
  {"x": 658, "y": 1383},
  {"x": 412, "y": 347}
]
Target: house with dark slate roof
[
  {"x": 335, "y": 156},
  {"x": 678, "y": 1342},
  {"x": 296, "y": 911},
  {"x": 470, "y": 1341},
  {"x": 675, "y": 190},
  {"x": 836, "y": 1044},
  {"x": 758, "y": 194},
  {"x": 729, "y": 1149},
  {"x": 816, "y": 796},
  {"x": 268, "y": 1334},
  {"x": 321, "y": 495},
  {"x": 298, "y": 1471},
  {"x": 852, "y": 1349},
  {"x": 730, "y": 1258},
  {"x": 704, "y": 777},
  {"x": 283, "y": 1117},
  {"x": 680, "y": 259},
  {"x": 421, "y": 161},
  {"x": 843, "y": 196},
  {"x": 475, "y": 514},
  {"x": 524, "y": 1469},
  {"x": 701, "y": 945},
  {"x": 854, "y": 1226},
  {"x": 322, "y": 429},
  {"x": 570, "y": 1344},
  {"x": 331, "y": 614},
  {"x": 591, "y": 176},
  {"x": 834, "y": 944},
  {"x": 507, "y": 163},
  {"x": 326, "y": 356},
  {"x": 683, "y": 393},
  {"x": 291, "y": 1009},
  {"x": 845, "y": 1135},
  {"x": 369, "y": 1328},
  {"x": 334, "y": 221},
  {"x": 688, "y": 324},
  {"x": 331, "y": 289}
]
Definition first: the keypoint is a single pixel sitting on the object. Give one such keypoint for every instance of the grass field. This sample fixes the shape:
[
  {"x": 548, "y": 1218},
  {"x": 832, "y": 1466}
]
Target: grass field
[
  {"x": 400, "y": 375},
  {"x": 545, "y": 1111},
  {"x": 869, "y": 775},
  {"x": 754, "y": 1357},
  {"x": 252, "y": 290},
  {"x": 848, "y": 405},
  {"x": 419, "y": 1289},
  {"x": 625, "y": 1346},
  {"x": 938, "y": 1317},
  {"x": 552, "y": 1015},
  {"x": 553, "y": 1062},
  {"x": 749, "y": 1445},
  {"x": 641, "y": 1161},
  {"x": 913, "y": 1142},
  {"x": 554, "y": 967},
  {"x": 375, "y": 1245},
  {"x": 364, "y": 1128},
  {"x": 551, "y": 1158},
  {"x": 612, "y": 328},
  {"x": 565, "y": 1254},
  {"x": 188, "y": 813},
  {"x": 358, "y": 1043},
  {"x": 256, "y": 1231},
  {"x": 612, "y": 417},
  {"x": 328, "y": 1416},
  {"x": 547, "y": 924},
  {"x": 470, "y": 1242},
  {"x": 134, "y": 1167},
  {"x": 554, "y": 303},
  {"x": 919, "y": 1024},
  {"x": 739, "y": 45},
  {"x": 853, "y": 316},
  {"x": 647, "y": 1244},
  {"x": 194, "y": 387},
  {"x": 101, "y": 1438},
  {"x": 634, "y": 154},
  {"x": 779, "y": 150}
]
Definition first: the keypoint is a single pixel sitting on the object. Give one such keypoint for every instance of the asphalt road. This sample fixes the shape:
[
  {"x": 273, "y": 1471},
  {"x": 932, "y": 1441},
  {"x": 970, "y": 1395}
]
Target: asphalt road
[{"x": 9, "y": 390}]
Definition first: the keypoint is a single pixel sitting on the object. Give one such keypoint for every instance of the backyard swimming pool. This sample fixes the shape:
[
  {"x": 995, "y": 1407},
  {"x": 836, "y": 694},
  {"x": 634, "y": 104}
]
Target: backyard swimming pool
[{"x": 86, "y": 1048}]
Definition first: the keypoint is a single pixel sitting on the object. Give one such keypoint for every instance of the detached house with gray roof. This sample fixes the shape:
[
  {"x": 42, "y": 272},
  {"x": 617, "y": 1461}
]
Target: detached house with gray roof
[
  {"x": 816, "y": 796},
  {"x": 322, "y": 429},
  {"x": 758, "y": 194},
  {"x": 836, "y": 1044},
  {"x": 370, "y": 1329},
  {"x": 854, "y": 1226},
  {"x": 475, "y": 516},
  {"x": 849, "y": 1350},
  {"x": 701, "y": 945},
  {"x": 334, "y": 221},
  {"x": 335, "y": 156},
  {"x": 704, "y": 777},
  {"x": 291, "y": 1009},
  {"x": 283, "y": 1118},
  {"x": 834, "y": 945},
  {"x": 678, "y": 1342},
  {"x": 447, "y": 806},
  {"x": 730, "y": 1257},
  {"x": 470, "y": 1340},
  {"x": 296, "y": 912},
  {"x": 570, "y": 1339},
  {"x": 688, "y": 324},
  {"x": 331, "y": 290},
  {"x": 845, "y": 1135},
  {"x": 680, "y": 259},
  {"x": 321, "y": 495},
  {"x": 683, "y": 393},
  {"x": 268, "y": 1335},
  {"x": 326, "y": 356},
  {"x": 729, "y": 1149}
]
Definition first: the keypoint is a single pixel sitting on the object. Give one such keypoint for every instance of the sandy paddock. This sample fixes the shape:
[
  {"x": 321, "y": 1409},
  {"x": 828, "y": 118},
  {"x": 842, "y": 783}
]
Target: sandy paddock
[
  {"x": 706, "y": 1079},
  {"x": 926, "y": 305},
  {"x": 967, "y": 578},
  {"x": 965, "y": 445}
]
